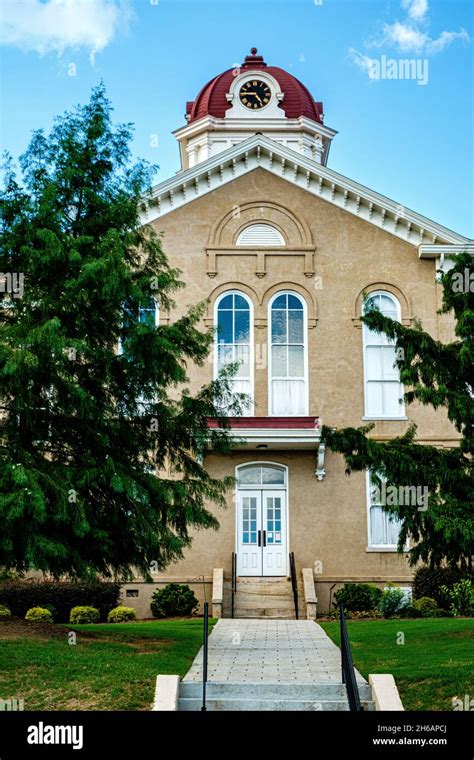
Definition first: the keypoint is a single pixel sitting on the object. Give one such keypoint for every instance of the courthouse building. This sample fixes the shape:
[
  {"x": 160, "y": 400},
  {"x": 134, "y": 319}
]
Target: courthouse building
[{"x": 285, "y": 250}]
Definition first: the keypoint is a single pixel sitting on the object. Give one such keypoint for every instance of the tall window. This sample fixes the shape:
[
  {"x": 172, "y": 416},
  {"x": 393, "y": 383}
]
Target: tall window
[
  {"x": 383, "y": 390},
  {"x": 384, "y": 528},
  {"x": 234, "y": 341},
  {"x": 288, "y": 393}
]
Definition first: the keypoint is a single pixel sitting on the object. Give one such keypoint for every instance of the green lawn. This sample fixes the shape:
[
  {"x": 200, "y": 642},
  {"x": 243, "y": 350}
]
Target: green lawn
[
  {"x": 111, "y": 667},
  {"x": 434, "y": 664}
]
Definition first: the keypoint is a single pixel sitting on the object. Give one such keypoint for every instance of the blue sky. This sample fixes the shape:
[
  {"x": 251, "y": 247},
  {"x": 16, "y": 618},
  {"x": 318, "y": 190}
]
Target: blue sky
[{"x": 412, "y": 142}]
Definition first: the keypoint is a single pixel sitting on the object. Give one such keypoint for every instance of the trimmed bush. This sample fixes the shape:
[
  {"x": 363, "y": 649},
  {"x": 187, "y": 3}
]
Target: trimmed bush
[
  {"x": 174, "y": 600},
  {"x": 460, "y": 597},
  {"x": 39, "y": 613},
  {"x": 427, "y": 606},
  {"x": 84, "y": 614},
  {"x": 393, "y": 601},
  {"x": 358, "y": 597},
  {"x": 19, "y": 596},
  {"x": 121, "y": 615},
  {"x": 4, "y": 612},
  {"x": 428, "y": 582}
]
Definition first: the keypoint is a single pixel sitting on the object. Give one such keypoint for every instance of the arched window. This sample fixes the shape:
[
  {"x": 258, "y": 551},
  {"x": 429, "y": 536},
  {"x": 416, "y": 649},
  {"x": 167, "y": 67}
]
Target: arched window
[
  {"x": 288, "y": 384},
  {"x": 234, "y": 342},
  {"x": 260, "y": 234},
  {"x": 383, "y": 390}
]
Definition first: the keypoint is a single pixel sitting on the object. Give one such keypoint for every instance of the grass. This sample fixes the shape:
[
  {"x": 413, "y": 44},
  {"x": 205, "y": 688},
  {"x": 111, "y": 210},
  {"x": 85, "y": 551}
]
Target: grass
[
  {"x": 433, "y": 665},
  {"x": 111, "y": 667}
]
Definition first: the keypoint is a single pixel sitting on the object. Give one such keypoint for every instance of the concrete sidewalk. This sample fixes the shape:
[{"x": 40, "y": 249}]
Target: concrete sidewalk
[{"x": 270, "y": 651}]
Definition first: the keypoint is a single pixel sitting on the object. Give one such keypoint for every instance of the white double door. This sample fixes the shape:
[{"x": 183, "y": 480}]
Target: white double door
[{"x": 262, "y": 532}]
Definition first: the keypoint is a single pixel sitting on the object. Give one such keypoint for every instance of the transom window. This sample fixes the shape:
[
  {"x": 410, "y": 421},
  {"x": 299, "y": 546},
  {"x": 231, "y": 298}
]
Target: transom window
[
  {"x": 234, "y": 341},
  {"x": 288, "y": 360},
  {"x": 256, "y": 475},
  {"x": 383, "y": 390}
]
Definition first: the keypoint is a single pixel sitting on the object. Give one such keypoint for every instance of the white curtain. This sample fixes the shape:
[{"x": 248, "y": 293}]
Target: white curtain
[
  {"x": 384, "y": 529},
  {"x": 288, "y": 397}
]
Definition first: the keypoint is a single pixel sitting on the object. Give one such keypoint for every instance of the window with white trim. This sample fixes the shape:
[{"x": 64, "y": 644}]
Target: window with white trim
[
  {"x": 288, "y": 385},
  {"x": 260, "y": 234},
  {"x": 383, "y": 528},
  {"x": 234, "y": 342},
  {"x": 383, "y": 390}
]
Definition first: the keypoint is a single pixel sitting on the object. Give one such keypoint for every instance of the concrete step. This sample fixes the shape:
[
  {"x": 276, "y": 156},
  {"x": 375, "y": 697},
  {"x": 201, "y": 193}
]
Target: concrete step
[
  {"x": 278, "y": 614},
  {"x": 263, "y": 691},
  {"x": 256, "y": 705},
  {"x": 254, "y": 602},
  {"x": 277, "y": 697}
]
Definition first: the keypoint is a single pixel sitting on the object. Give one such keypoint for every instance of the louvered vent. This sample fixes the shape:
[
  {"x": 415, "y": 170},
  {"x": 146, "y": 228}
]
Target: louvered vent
[{"x": 260, "y": 234}]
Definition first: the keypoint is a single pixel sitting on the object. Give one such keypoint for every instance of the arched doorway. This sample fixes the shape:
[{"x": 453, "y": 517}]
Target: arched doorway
[{"x": 262, "y": 519}]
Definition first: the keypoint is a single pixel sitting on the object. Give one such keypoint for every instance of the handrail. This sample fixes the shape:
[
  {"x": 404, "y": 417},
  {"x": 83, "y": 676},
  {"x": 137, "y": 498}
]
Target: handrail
[
  {"x": 348, "y": 672},
  {"x": 205, "y": 653},
  {"x": 233, "y": 587},
  {"x": 294, "y": 582}
]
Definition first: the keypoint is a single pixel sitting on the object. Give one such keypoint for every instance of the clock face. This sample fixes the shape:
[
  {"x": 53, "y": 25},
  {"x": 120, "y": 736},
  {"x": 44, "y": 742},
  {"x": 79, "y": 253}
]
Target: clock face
[{"x": 255, "y": 94}]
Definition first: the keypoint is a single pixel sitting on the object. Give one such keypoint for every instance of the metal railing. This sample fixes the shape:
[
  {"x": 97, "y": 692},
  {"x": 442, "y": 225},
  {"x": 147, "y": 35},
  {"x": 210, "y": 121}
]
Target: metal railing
[
  {"x": 348, "y": 672},
  {"x": 205, "y": 655},
  {"x": 294, "y": 582},
  {"x": 233, "y": 587}
]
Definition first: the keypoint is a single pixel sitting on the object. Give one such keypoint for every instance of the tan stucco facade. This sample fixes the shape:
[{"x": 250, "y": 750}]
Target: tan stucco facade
[{"x": 330, "y": 258}]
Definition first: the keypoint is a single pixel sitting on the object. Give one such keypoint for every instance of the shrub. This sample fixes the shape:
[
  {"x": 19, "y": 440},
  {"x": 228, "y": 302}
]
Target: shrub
[
  {"x": 4, "y": 612},
  {"x": 19, "y": 596},
  {"x": 358, "y": 597},
  {"x": 121, "y": 614},
  {"x": 409, "y": 611},
  {"x": 84, "y": 614},
  {"x": 460, "y": 597},
  {"x": 39, "y": 613},
  {"x": 428, "y": 582},
  {"x": 427, "y": 606},
  {"x": 393, "y": 600},
  {"x": 174, "y": 600},
  {"x": 363, "y": 614}
]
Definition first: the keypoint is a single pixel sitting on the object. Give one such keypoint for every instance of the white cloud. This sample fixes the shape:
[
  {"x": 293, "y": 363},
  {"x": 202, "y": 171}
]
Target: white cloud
[
  {"x": 55, "y": 25},
  {"x": 361, "y": 60},
  {"x": 405, "y": 37},
  {"x": 409, "y": 39},
  {"x": 417, "y": 9}
]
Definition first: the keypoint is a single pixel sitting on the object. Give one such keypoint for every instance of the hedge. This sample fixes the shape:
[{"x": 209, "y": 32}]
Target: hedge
[
  {"x": 428, "y": 582},
  {"x": 20, "y": 596}
]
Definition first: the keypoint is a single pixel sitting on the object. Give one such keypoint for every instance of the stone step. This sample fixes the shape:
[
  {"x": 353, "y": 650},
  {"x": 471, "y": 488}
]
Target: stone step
[
  {"x": 256, "y": 705},
  {"x": 263, "y": 691},
  {"x": 262, "y": 612},
  {"x": 254, "y": 602}
]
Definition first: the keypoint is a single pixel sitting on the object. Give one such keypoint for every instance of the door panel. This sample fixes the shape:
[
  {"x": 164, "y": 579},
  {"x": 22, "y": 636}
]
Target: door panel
[
  {"x": 274, "y": 526},
  {"x": 249, "y": 550}
]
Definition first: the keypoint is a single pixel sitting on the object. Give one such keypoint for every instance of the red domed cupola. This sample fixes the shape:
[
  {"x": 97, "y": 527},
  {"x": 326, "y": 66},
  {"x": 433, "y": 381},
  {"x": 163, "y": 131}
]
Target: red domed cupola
[
  {"x": 250, "y": 99},
  {"x": 297, "y": 100}
]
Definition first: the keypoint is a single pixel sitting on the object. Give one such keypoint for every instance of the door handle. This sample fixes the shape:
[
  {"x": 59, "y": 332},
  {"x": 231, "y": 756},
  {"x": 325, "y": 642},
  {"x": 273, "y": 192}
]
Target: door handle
[
  {"x": 264, "y": 537},
  {"x": 259, "y": 538}
]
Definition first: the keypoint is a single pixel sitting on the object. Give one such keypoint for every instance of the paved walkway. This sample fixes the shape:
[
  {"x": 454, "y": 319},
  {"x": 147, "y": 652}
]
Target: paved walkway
[{"x": 270, "y": 651}]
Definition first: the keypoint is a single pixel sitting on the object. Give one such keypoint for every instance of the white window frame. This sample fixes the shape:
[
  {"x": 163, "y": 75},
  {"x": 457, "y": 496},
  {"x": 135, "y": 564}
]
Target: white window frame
[
  {"x": 305, "y": 353},
  {"x": 369, "y": 504},
  {"x": 367, "y": 416},
  {"x": 250, "y": 411}
]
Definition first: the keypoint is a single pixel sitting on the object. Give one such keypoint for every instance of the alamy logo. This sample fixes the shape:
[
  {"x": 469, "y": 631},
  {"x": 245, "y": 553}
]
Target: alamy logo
[
  {"x": 42, "y": 734},
  {"x": 401, "y": 496}
]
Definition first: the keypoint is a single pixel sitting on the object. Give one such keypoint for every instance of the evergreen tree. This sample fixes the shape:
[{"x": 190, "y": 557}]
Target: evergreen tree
[
  {"x": 100, "y": 450},
  {"x": 437, "y": 375}
]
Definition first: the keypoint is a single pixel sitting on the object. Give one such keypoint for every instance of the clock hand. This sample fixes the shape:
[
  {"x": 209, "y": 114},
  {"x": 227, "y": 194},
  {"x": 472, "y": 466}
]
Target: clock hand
[{"x": 258, "y": 97}]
